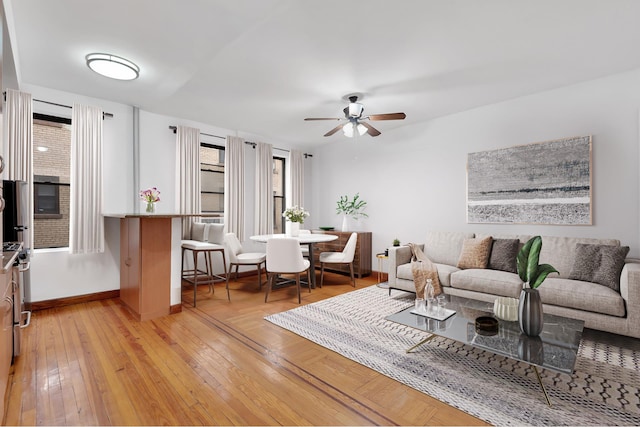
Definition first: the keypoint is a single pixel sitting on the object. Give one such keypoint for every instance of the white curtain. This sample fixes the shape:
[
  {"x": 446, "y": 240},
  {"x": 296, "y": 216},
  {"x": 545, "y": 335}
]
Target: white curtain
[
  {"x": 297, "y": 178},
  {"x": 86, "y": 223},
  {"x": 234, "y": 186},
  {"x": 263, "y": 222},
  {"x": 188, "y": 176},
  {"x": 18, "y": 153}
]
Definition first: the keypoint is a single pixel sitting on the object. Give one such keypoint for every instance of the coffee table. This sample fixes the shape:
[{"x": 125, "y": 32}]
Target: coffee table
[{"x": 555, "y": 349}]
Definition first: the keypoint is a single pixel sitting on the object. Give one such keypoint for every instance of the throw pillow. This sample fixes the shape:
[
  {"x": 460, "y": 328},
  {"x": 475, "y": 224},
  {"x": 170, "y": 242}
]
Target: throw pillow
[
  {"x": 216, "y": 233},
  {"x": 475, "y": 253},
  {"x": 599, "y": 264},
  {"x": 199, "y": 231},
  {"x": 503, "y": 255}
]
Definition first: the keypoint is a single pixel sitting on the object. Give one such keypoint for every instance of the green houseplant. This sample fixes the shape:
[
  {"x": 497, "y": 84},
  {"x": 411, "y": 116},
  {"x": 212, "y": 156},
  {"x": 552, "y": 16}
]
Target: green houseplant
[
  {"x": 532, "y": 274},
  {"x": 350, "y": 208},
  {"x": 396, "y": 242}
]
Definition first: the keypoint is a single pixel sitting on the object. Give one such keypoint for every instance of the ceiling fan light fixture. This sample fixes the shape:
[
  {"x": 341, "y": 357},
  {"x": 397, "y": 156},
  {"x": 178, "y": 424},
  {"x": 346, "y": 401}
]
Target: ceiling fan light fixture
[
  {"x": 112, "y": 66},
  {"x": 347, "y": 129},
  {"x": 361, "y": 129},
  {"x": 355, "y": 109}
]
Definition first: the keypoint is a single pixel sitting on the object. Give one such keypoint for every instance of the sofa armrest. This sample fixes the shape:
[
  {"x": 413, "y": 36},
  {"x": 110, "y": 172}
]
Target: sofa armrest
[
  {"x": 398, "y": 255},
  {"x": 630, "y": 283}
]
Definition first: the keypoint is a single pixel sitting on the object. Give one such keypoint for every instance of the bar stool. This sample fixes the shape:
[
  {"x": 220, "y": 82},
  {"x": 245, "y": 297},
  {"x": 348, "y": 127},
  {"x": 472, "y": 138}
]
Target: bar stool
[{"x": 199, "y": 244}]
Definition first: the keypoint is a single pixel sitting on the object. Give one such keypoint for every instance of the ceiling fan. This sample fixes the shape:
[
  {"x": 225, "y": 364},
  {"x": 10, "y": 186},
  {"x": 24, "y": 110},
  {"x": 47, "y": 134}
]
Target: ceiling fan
[{"x": 356, "y": 123}]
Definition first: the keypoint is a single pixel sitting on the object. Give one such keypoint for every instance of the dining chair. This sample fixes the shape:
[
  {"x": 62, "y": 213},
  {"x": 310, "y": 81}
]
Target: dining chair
[
  {"x": 238, "y": 257},
  {"x": 285, "y": 257},
  {"x": 202, "y": 240},
  {"x": 345, "y": 257}
]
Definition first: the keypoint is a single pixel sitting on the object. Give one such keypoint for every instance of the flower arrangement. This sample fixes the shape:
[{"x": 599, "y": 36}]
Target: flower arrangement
[
  {"x": 295, "y": 214},
  {"x": 353, "y": 207},
  {"x": 151, "y": 196}
]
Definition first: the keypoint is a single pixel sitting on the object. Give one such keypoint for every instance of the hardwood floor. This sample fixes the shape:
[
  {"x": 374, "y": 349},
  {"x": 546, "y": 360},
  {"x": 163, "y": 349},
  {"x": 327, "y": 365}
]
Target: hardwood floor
[{"x": 218, "y": 364}]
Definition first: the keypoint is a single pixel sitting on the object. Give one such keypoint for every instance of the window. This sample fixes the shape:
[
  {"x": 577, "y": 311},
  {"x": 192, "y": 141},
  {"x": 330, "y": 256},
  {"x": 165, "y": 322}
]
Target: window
[
  {"x": 51, "y": 181},
  {"x": 212, "y": 180},
  {"x": 46, "y": 196},
  {"x": 278, "y": 195}
]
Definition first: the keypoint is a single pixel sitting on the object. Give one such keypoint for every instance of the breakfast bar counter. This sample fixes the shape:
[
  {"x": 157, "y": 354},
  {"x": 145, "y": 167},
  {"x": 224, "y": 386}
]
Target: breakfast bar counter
[{"x": 150, "y": 264}]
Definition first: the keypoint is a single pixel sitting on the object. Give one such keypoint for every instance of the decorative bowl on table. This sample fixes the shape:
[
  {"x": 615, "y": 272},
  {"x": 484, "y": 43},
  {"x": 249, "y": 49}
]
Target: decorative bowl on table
[
  {"x": 326, "y": 228},
  {"x": 506, "y": 308}
]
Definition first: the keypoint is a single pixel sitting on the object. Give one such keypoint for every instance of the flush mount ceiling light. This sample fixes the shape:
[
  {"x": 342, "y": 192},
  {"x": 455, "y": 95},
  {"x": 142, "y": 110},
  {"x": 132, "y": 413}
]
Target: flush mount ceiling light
[{"x": 112, "y": 66}]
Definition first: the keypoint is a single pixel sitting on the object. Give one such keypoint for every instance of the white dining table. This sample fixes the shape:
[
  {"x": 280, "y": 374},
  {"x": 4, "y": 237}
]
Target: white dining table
[{"x": 308, "y": 239}]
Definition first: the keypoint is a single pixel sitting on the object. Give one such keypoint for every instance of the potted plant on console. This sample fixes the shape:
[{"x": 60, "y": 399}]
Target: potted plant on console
[
  {"x": 530, "y": 314},
  {"x": 350, "y": 208}
]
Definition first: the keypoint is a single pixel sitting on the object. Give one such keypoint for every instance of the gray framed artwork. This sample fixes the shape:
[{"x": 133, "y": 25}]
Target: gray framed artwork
[{"x": 541, "y": 183}]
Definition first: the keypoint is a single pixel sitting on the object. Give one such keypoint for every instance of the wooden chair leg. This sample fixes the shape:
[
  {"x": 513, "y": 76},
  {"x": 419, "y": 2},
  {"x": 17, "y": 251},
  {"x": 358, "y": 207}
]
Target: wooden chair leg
[
  {"x": 298, "y": 286},
  {"x": 353, "y": 278},
  {"x": 259, "y": 275},
  {"x": 309, "y": 278},
  {"x": 269, "y": 280},
  {"x": 195, "y": 276},
  {"x": 209, "y": 267},
  {"x": 321, "y": 273}
]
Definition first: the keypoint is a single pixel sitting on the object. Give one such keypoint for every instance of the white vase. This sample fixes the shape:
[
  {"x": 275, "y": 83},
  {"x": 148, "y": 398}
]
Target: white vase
[
  {"x": 294, "y": 229},
  {"x": 345, "y": 223}
]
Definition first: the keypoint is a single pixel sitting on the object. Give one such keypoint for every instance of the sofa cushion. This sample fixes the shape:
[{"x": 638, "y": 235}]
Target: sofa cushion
[
  {"x": 443, "y": 247},
  {"x": 581, "y": 295},
  {"x": 503, "y": 255},
  {"x": 475, "y": 253},
  {"x": 599, "y": 264},
  {"x": 444, "y": 273},
  {"x": 498, "y": 283},
  {"x": 560, "y": 251}
]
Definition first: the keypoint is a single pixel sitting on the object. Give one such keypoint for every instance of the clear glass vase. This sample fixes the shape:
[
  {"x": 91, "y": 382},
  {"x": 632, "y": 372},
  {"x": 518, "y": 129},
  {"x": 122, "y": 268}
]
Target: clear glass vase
[{"x": 151, "y": 207}]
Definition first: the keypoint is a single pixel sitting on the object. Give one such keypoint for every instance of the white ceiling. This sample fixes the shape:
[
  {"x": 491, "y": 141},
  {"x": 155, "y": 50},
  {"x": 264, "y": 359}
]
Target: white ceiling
[{"x": 262, "y": 66}]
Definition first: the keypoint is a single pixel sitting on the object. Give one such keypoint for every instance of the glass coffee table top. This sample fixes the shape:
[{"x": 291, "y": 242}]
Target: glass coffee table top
[{"x": 556, "y": 348}]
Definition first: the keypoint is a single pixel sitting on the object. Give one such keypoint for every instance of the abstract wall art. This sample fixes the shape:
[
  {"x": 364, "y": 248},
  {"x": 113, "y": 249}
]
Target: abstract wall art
[{"x": 541, "y": 183}]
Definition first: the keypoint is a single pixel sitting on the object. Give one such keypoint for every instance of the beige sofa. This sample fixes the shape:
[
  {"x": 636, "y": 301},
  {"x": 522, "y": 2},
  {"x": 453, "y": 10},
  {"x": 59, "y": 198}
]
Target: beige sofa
[{"x": 601, "y": 307}]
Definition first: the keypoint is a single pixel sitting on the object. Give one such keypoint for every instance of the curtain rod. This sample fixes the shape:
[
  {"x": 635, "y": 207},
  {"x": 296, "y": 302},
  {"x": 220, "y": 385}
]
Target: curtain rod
[
  {"x": 104, "y": 114},
  {"x": 109, "y": 115},
  {"x": 253, "y": 144},
  {"x": 175, "y": 129}
]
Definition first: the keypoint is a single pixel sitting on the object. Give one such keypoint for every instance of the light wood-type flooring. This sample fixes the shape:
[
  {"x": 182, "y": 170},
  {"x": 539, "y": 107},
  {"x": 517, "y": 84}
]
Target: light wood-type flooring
[{"x": 218, "y": 364}]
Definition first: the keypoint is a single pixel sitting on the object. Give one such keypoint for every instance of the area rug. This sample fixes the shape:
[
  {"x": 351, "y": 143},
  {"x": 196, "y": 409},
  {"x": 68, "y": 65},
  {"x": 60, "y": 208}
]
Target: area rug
[{"x": 604, "y": 389}]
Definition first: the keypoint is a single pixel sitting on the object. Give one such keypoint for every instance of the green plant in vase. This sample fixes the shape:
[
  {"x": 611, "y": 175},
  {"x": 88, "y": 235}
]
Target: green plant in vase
[
  {"x": 350, "y": 208},
  {"x": 532, "y": 274}
]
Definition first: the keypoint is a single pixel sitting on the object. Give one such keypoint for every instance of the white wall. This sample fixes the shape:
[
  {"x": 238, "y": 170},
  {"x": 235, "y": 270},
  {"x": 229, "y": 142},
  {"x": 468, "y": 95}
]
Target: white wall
[
  {"x": 414, "y": 178},
  {"x": 56, "y": 273}
]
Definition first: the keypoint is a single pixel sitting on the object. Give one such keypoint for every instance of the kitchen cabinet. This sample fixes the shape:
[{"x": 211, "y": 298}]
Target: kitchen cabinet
[
  {"x": 6, "y": 335},
  {"x": 145, "y": 265},
  {"x": 362, "y": 259}
]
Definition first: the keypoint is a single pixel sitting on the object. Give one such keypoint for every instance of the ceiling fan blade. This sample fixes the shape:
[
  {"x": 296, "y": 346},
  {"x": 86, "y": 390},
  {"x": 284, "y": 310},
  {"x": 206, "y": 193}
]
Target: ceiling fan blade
[
  {"x": 321, "y": 118},
  {"x": 370, "y": 129},
  {"x": 334, "y": 130},
  {"x": 388, "y": 116}
]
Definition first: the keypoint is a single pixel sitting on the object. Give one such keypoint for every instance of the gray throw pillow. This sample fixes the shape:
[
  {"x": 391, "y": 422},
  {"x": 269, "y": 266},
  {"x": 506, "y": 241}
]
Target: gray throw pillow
[
  {"x": 216, "y": 233},
  {"x": 599, "y": 264},
  {"x": 503, "y": 255}
]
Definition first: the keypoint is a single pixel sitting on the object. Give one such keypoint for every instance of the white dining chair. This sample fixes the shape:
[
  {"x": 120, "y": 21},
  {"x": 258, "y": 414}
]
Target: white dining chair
[
  {"x": 238, "y": 257},
  {"x": 345, "y": 257},
  {"x": 285, "y": 257}
]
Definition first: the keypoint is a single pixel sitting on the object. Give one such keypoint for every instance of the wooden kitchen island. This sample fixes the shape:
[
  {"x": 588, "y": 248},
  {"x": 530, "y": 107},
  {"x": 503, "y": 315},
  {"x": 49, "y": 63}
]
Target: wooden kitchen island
[{"x": 150, "y": 263}]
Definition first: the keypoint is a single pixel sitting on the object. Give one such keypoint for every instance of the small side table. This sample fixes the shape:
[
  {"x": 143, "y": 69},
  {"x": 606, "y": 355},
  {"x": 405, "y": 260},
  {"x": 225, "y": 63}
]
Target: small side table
[{"x": 381, "y": 257}]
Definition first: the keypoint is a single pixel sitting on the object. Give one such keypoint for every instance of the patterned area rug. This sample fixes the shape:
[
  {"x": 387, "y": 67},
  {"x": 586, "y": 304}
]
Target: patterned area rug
[{"x": 604, "y": 389}]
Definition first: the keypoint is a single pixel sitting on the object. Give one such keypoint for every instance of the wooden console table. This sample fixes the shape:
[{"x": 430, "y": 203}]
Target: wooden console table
[{"x": 362, "y": 259}]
